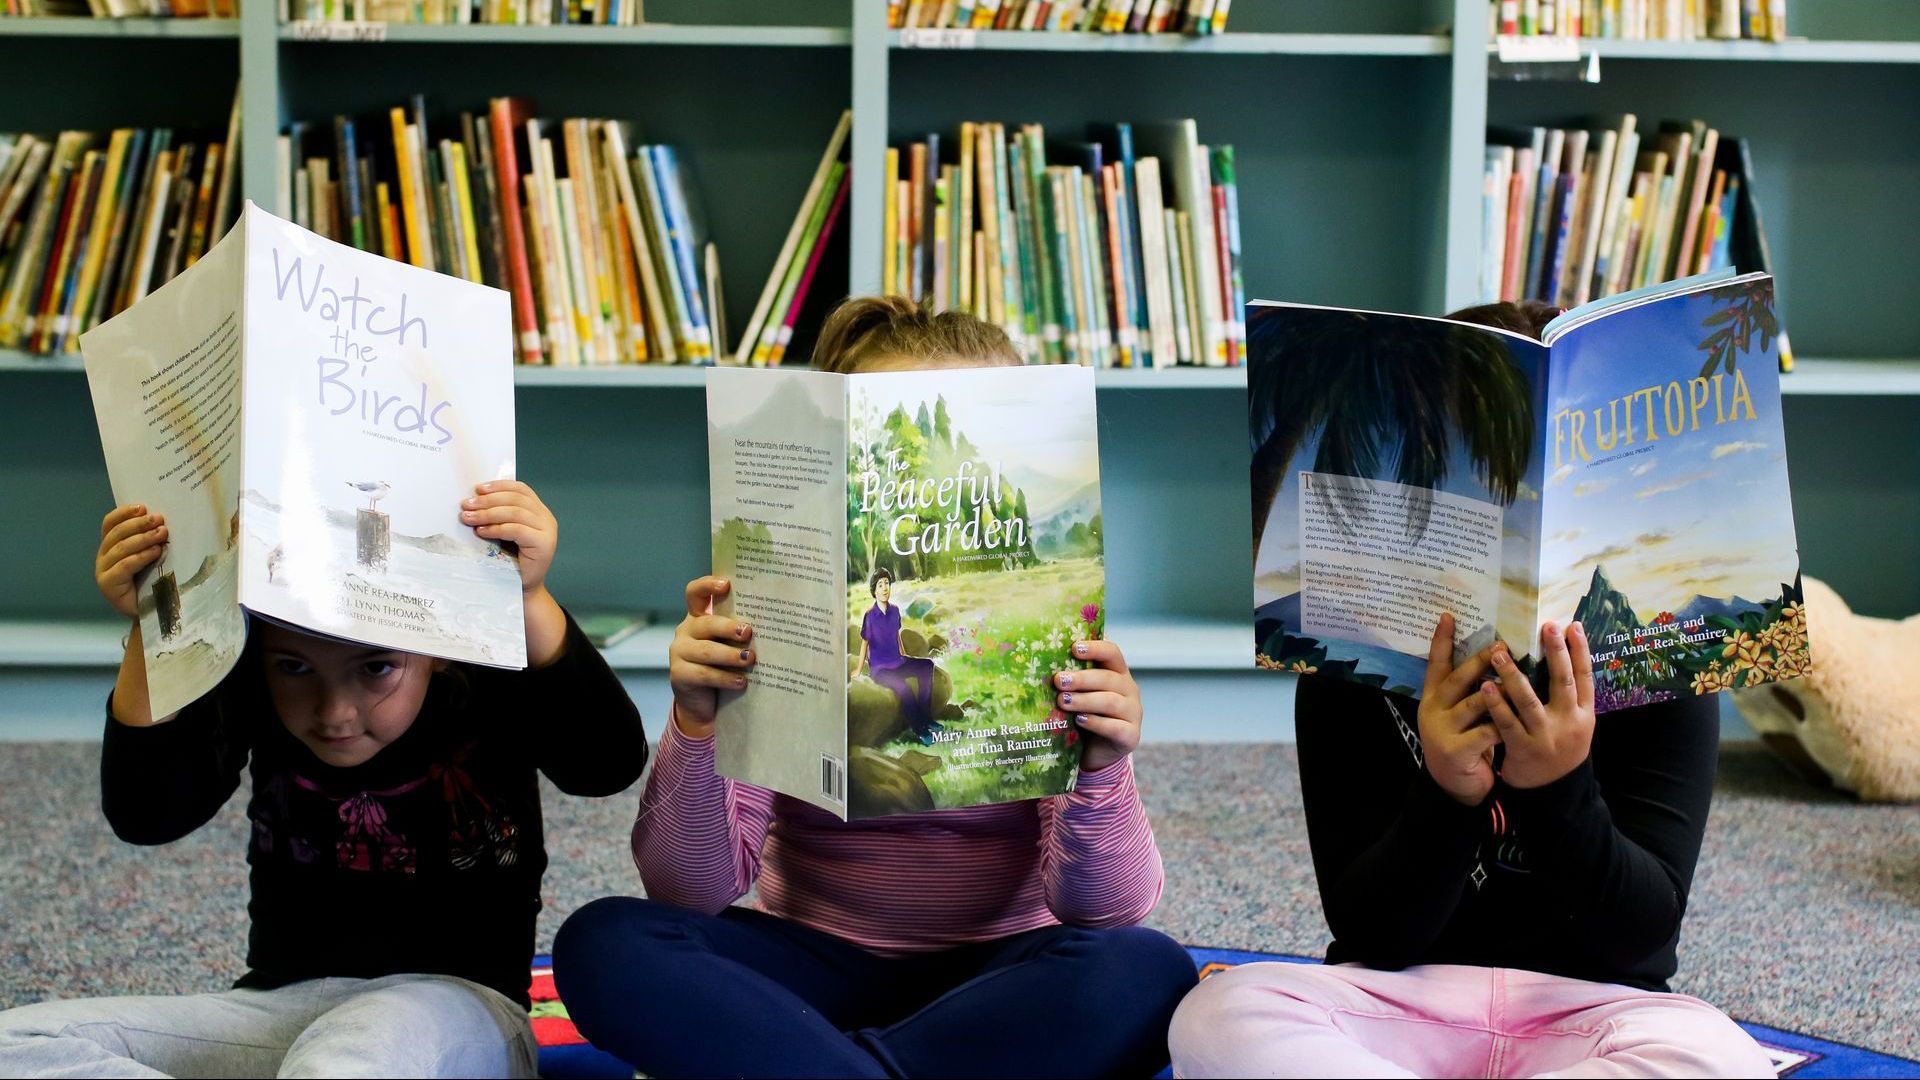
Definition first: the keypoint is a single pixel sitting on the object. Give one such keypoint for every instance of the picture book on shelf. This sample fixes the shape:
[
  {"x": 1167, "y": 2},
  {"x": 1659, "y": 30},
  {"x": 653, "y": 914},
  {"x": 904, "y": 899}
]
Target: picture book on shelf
[
  {"x": 308, "y": 417},
  {"x": 1628, "y": 473},
  {"x": 917, "y": 552}
]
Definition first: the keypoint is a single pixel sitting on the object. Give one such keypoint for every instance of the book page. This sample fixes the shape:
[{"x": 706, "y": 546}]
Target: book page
[
  {"x": 165, "y": 378},
  {"x": 975, "y": 558},
  {"x": 776, "y": 454},
  {"x": 1396, "y": 476},
  {"x": 1668, "y": 524},
  {"x": 377, "y": 396}
]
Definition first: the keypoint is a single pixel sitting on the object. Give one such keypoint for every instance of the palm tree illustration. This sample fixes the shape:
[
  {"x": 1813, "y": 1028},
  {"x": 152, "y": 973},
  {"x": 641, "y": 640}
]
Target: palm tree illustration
[{"x": 1371, "y": 385}]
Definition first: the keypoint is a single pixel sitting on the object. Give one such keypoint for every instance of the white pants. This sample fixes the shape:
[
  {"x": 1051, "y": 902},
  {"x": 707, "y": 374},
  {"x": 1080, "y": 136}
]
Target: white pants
[{"x": 400, "y": 1025}]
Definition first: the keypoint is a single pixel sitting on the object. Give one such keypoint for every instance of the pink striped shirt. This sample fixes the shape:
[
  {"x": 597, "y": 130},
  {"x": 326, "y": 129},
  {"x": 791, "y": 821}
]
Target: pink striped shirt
[{"x": 911, "y": 883}]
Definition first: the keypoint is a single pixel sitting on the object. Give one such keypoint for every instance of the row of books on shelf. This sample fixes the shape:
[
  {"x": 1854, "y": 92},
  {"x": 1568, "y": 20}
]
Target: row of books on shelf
[
  {"x": 1085, "y": 252},
  {"x": 1571, "y": 215},
  {"x": 599, "y": 239},
  {"x": 1641, "y": 20},
  {"x": 122, "y": 9},
  {"x": 1092, "y": 16},
  {"x": 89, "y": 226},
  {"x": 461, "y": 12}
]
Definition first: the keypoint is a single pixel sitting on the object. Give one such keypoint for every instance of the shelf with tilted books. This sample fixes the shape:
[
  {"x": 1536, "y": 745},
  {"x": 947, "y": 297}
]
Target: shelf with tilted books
[
  {"x": 1231, "y": 43},
  {"x": 1804, "y": 52},
  {"x": 95, "y": 29},
  {"x": 651, "y": 34}
]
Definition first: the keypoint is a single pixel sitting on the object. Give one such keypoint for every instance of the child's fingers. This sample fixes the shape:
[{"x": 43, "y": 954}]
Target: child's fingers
[
  {"x": 492, "y": 486},
  {"x": 720, "y": 628},
  {"x": 512, "y": 533},
  {"x": 1582, "y": 664},
  {"x": 1101, "y": 653},
  {"x": 1439, "y": 656},
  {"x": 1114, "y": 730},
  {"x": 1459, "y": 684},
  {"x": 122, "y": 572},
  {"x": 1519, "y": 691},
  {"x": 1091, "y": 679},
  {"x": 138, "y": 542},
  {"x": 133, "y": 526},
  {"x": 684, "y": 674},
  {"x": 1471, "y": 710},
  {"x": 718, "y": 654},
  {"x": 702, "y": 591},
  {"x": 1100, "y": 702},
  {"x": 1505, "y": 721},
  {"x": 120, "y": 514},
  {"x": 507, "y": 498},
  {"x": 1553, "y": 642},
  {"x": 500, "y": 515}
]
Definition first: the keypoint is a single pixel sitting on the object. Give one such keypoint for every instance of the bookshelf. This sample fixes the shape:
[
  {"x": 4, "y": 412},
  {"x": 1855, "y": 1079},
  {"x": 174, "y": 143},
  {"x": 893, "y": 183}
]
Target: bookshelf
[{"x": 1360, "y": 128}]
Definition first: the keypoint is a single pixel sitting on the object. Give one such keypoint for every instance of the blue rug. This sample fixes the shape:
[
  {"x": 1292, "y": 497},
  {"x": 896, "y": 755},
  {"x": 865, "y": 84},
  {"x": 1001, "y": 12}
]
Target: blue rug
[{"x": 565, "y": 1055}]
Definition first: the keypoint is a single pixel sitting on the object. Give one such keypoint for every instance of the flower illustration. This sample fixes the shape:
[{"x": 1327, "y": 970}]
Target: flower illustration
[
  {"x": 1304, "y": 668},
  {"x": 1741, "y": 648},
  {"x": 1090, "y": 614}
]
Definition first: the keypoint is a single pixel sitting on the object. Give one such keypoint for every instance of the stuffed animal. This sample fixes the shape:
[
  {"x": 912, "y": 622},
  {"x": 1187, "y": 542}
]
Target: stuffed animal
[{"x": 1854, "y": 721}]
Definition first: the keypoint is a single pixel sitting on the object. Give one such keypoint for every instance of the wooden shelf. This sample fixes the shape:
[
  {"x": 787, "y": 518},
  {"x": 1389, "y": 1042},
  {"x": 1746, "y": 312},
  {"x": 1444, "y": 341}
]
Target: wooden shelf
[
  {"x": 119, "y": 28},
  {"x": 488, "y": 34},
  {"x": 1163, "y": 644},
  {"x": 1215, "y": 44}
]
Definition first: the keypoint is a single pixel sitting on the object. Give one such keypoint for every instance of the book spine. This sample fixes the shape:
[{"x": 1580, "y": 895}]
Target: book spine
[
  {"x": 792, "y": 316},
  {"x": 772, "y": 347},
  {"x": 501, "y": 120}
]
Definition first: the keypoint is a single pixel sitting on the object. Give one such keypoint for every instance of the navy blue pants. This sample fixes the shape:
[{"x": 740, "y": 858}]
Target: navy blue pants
[{"x": 678, "y": 993}]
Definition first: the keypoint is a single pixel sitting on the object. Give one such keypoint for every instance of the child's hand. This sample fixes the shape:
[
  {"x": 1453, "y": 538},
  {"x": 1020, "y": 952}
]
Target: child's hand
[
  {"x": 1544, "y": 742},
  {"x": 1103, "y": 701},
  {"x": 130, "y": 541},
  {"x": 509, "y": 511},
  {"x": 1456, "y": 738},
  {"x": 709, "y": 654}
]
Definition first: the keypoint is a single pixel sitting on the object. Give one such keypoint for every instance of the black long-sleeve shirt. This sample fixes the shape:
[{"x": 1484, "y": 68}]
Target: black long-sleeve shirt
[
  {"x": 425, "y": 859},
  {"x": 1586, "y": 877}
]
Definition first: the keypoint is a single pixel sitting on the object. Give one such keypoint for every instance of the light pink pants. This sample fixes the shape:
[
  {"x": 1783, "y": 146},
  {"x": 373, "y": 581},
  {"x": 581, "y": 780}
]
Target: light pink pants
[{"x": 1275, "y": 1019}]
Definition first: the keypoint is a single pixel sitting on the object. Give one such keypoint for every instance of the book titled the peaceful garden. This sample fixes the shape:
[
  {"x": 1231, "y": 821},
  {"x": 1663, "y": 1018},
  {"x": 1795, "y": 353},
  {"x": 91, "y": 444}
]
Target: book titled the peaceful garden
[
  {"x": 1628, "y": 472},
  {"x": 917, "y": 552}
]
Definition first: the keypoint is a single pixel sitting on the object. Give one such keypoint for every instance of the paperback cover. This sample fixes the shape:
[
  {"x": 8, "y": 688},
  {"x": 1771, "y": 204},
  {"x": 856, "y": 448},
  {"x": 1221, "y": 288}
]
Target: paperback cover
[
  {"x": 917, "y": 552},
  {"x": 1629, "y": 473},
  {"x": 308, "y": 418}
]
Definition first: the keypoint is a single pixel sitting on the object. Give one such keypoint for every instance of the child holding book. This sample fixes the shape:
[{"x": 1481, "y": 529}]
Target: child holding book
[
  {"x": 396, "y": 849},
  {"x": 988, "y": 941},
  {"x": 1504, "y": 878}
]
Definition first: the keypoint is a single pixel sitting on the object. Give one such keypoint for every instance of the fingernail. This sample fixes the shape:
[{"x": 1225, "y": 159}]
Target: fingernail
[
  {"x": 1576, "y": 628},
  {"x": 720, "y": 583},
  {"x": 486, "y": 487},
  {"x": 1066, "y": 679},
  {"x": 740, "y": 683},
  {"x": 1080, "y": 649},
  {"x": 467, "y": 515},
  {"x": 740, "y": 631},
  {"x": 746, "y": 654},
  {"x": 470, "y": 502},
  {"x": 1066, "y": 699}
]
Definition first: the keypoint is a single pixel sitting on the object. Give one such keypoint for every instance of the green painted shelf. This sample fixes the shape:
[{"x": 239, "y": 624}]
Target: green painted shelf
[{"x": 119, "y": 28}]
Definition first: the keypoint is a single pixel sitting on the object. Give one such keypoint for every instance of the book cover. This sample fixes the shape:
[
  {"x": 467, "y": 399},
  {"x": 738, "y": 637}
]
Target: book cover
[
  {"x": 308, "y": 418},
  {"x": 1629, "y": 473},
  {"x": 917, "y": 552}
]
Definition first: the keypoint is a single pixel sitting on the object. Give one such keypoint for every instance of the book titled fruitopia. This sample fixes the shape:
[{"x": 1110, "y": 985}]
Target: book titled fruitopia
[
  {"x": 917, "y": 552},
  {"x": 1627, "y": 471},
  {"x": 308, "y": 418}
]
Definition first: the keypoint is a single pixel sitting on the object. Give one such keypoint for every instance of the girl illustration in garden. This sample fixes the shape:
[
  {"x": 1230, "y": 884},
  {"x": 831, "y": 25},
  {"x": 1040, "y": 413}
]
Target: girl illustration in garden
[{"x": 909, "y": 677}]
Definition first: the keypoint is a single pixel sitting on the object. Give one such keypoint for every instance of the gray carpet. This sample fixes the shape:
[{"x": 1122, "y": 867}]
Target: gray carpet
[{"x": 1805, "y": 912}]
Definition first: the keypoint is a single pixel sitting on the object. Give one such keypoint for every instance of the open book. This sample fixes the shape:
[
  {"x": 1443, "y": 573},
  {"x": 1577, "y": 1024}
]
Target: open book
[
  {"x": 917, "y": 552},
  {"x": 1629, "y": 473},
  {"x": 308, "y": 417}
]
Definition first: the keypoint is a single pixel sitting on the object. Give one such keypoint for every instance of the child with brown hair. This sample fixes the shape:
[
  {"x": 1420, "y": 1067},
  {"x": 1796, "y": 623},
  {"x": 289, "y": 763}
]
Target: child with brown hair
[{"x": 988, "y": 941}]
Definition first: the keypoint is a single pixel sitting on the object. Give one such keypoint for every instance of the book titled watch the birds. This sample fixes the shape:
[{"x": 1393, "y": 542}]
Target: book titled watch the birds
[
  {"x": 1628, "y": 471},
  {"x": 308, "y": 417}
]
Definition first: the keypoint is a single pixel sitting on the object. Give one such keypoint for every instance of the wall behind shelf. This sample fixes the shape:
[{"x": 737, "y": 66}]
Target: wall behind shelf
[
  {"x": 750, "y": 151},
  {"x": 1837, "y": 163},
  {"x": 187, "y": 83},
  {"x": 1342, "y": 160}
]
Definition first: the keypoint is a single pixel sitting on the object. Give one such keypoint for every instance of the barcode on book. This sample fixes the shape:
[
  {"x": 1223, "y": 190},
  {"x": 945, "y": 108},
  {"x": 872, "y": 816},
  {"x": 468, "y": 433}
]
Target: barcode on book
[{"x": 833, "y": 778}]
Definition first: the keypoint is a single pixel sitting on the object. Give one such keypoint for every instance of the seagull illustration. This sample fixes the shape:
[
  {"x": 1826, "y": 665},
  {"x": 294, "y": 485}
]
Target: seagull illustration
[{"x": 374, "y": 490}]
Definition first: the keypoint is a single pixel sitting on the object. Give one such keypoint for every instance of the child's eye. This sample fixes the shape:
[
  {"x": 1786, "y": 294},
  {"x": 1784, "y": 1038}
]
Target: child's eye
[
  {"x": 379, "y": 669},
  {"x": 287, "y": 665}
]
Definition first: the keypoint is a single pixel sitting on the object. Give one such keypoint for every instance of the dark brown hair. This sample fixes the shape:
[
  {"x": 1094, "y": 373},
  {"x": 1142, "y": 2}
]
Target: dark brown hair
[
  {"x": 1529, "y": 317},
  {"x": 866, "y": 329}
]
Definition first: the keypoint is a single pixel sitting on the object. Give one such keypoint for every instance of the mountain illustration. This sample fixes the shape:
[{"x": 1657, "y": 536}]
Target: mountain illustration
[
  {"x": 1604, "y": 611},
  {"x": 207, "y": 566},
  {"x": 1700, "y": 607}
]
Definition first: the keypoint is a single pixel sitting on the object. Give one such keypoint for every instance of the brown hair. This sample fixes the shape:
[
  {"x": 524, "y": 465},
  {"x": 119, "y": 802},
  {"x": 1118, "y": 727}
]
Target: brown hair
[
  {"x": 1528, "y": 317},
  {"x": 865, "y": 331}
]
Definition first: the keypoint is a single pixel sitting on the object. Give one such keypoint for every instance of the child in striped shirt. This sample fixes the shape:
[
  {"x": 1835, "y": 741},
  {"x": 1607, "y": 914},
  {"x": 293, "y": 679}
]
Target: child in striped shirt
[{"x": 988, "y": 941}]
